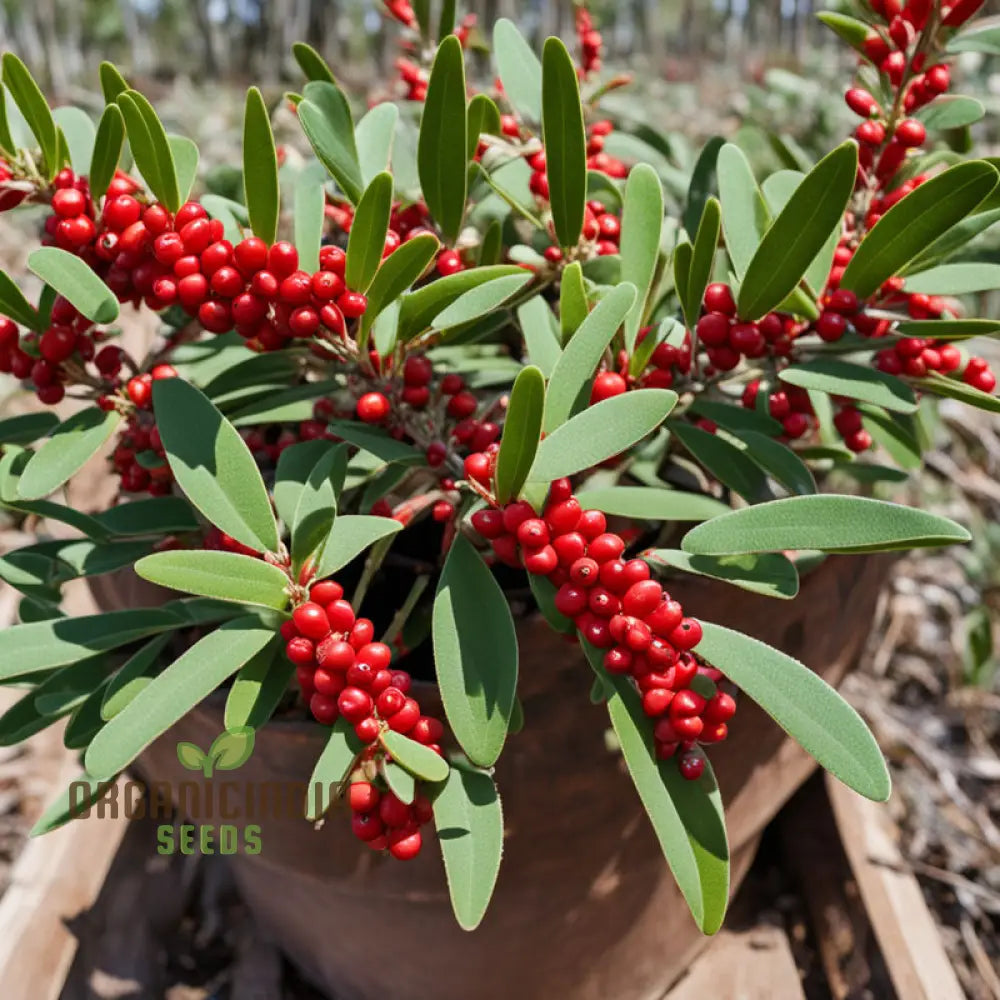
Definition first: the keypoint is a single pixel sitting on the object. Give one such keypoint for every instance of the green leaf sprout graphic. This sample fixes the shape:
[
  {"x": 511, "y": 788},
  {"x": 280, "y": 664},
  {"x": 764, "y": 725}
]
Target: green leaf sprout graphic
[{"x": 229, "y": 750}]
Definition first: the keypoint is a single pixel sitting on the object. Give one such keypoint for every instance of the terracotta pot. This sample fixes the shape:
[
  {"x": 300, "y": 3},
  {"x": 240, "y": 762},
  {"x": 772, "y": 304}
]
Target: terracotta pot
[{"x": 585, "y": 906}]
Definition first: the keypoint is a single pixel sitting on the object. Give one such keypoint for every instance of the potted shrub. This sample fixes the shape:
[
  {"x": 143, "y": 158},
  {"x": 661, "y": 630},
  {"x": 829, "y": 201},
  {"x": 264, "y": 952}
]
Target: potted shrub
[{"x": 469, "y": 388}]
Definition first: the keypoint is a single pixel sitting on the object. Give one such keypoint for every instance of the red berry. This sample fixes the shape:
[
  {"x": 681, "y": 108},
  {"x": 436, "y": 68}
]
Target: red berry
[
  {"x": 363, "y": 796},
  {"x": 406, "y": 718},
  {"x": 405, "y": 844},
  {"x": 373, "y": 408},
  {"x": 311, "y": 621},
  {"x": 355, "y": 704},
  {"x": 352, "y": 304},
  {"x": 691, "y": 767},
  {"x": 605, "y": 547},
  {"x": 719, "y": 299},
  {"x": 686, "y": 635},
  {"x": 340, "y": 615},
  {"x": 606, "y": 385},
  {"x": 326, "y": 591},
  {"x": 300, "y": 651},
  {"x": 324, "y": 709}
]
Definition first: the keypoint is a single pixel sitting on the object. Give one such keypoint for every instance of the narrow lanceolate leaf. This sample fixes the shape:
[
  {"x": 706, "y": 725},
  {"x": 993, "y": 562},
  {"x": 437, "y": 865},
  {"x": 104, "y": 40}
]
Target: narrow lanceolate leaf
[
  {"x": 133, "y": 675},
  {"x": 27, "y": 428},
  {"x": 736, "y": 418},
  {"x": 398, "y": 272},
  {"x": 744, "y": 214},
  {"x": 74, "y": 280},
  {"x": 768, "y": 573},
  {"x": 316, "y": 507},
  {"x": 469, "y": 824},
  {"x": 941, "y": 385},
  {"x": 15, "y": 305},
  {"x": 72, "y": 803},
  {"x": 44, "y": 644},
  {"x": 797, "y": 235},
  {"x": 850, "y": 29},
  {"x": 521, "y": 433},
  {"x": 72, "y": 444},
  {"x": 914, "y": 222},
  {"x": 312, "y": 63},
  {"x": 213, "y": 465},
  {"x": 840, "y": 378},
  {"x": 157, "y": 515},
  {"x": 112, "y": 82},
  {"x": 32, "y": 105},
  {"x": 565, "y": 142},
  {"x": 681, "y": 261},
  {"x": 646, "y": 503},
  {"x": 260, "y": 168},
  {"x": 703, "y": 183},
  {"x": 349, "y": 537},
  {"x": 825, "y": 522},
  {"x": 642, "y": 221},
  {"x": 481, "y": 301},
  {"x": 804, "y": 705},
  {"x": 475, "y": 653},
  {"x": 79, "y": 132},
  {"x": 7, "y": 144},
  {"x": 442, "y": 145},
  {"x": 375, "y": 135},
  {"x": 573, "y": 303},
  {"x": 519, "y": 69},
  {"x": 258, "y": 688},
  {"x": 541, "y": 333},
  {"x": 186, "y": 158},
  {"x": 174, "y": 693},
  {"x": 107, "y": 148},
  {"x": 703, "y": 255},
  {"x": 326, "y": 119},
  {"x": 956, "y": 279},
  {"x": 723, "y": 460},
  {"x": 484, "y": 119},
  {"x": 686, "y": 816},
  {"x": 415, "y": 757},
  {"x": 165, "y": 171},
  {"x": 332, "y": 768},
  {"x": 310, "y": 199},
  {"x": 367, "y": 238},
  {"x": 575, "y": 368},
  {"x": 600, "y": 432},
  {"x": 952, "y": 111},
  {"x": 226, "y": 575},
  {"x": 778, "y": 461},
  {"x": 948, "y": 329}
]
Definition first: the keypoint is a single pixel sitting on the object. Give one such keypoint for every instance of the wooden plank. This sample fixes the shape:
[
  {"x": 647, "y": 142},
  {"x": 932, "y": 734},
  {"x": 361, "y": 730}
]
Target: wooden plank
[
  {"x": 906, "y": 933},
  {"x": 54, "y": 878},
  {"x": 755, "y": 964}
]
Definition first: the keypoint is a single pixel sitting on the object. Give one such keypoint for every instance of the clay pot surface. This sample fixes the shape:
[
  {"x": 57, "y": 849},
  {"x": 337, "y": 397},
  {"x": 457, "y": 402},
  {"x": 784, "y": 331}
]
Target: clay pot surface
[{"x": 585, "y": 906}]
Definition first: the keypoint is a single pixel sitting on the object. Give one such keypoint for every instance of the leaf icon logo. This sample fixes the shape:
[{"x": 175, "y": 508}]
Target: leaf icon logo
[{"x": 229, "y": 750}]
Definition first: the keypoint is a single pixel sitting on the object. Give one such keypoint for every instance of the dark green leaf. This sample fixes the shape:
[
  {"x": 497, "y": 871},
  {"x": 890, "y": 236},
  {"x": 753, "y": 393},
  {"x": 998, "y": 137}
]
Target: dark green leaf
[
  {"x": 703, "y": 183},
  {"x": 212, "y": 464},
  {"x": 519, "y": 69},
  {"x": 7, "y": 144},
  {"x": 573, "y": 304},
  {"x": 15, "y": 305},
  {"x": 650, "y": 504},
  {"x": 186, "y": 157},
  {"x": 941, "y": 385},
  {"x": 703, "y": 257},
  {"x": 156, "y": 150},
  {"x": 642, "y": 221},
  {"x": 841, "y": 378},
  {"x": 469, "y": 823},
  {"x": 442, "y": 145},
  {"x": 74, "y": 280},
  {"x": 158, "y": 515},
  {"x": 107, "y": 149},
  {"x": 260, "y": 168},
  {"x": 419, "y": 760},
  {"x": 398, "y": 272},
  {"x": 312, "y": 63},
  {"x": 475, "y": 653},
  {"x": 112, "y": 82},
  {"x": 826, "y": 522},
  {"x": 521, "y": 433},
  {"x": 951, "y": 111},
  {"x": 332, "y": 769},
  {"x": 778, "y": 461},
  {"x": 804, "y": 705},
  {"x": 26, "y": 428},
  {"x": 915, "y": 221},
  {"x": 736, "y": 418},
  {"x": 258, "y": 688},
  {"x": 850, "y": 29},
  {"x": 133, "y": 675},
  {"x": 895, "y": 432},
  {"x": 368, "y": 231},
  {"x": 82, "y": 792},
  {"x": 769, "y": 573},
  {"x": 225, "y": 575},
  {"x": 32, "y": 105},
  {"x": 723, "y": 460},
  {"x": 565, "y": 141},
  {"x": 544, "y": 592},
  {"x": 481, "y": 301},
  {"x": 955, "y": 279},
  {"x": 66, "y": 689},
  {"x": 744, "y": 214},
  {"x": 325, "y": 117},
  {"x": 682, "y": 258},
  {"x": 376, "y": 442},
  {"x": 484, "y": 119}
]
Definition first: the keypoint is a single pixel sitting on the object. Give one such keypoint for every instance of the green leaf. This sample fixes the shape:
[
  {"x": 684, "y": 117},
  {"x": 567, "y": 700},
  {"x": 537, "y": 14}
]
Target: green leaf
[
  {"x": 778, "y": 461},
  {"x": 398, "y": 272},
  {"x": 87, "y": 558},
  {"x": 158, "y": 515},
  {"x": 941, "y": 385},
  {"x": 682, "y": 258},
  {"x": 376, "y": 442},
  {"x": 68, "y": 688},
  {"x": 769, "y": 573},
  {"x": 32, "y": 105},
  {"x": 565, "y": 141},
  {"x": 310, "y": 200},
  {"x": 475, "y": 653},
  {"x": 225, "y": 575},
  {"x": 573, "y": 304},
  {"x": 798, "y": 234},
  {"x": 544, "y": 592},
  {"x": 73, "y": 279},
  {"x": 736, "y": 418},
  {"x": 642, "y": 222},
  {"x": 375, "y": 135},
  {"x": 442, "y": 144},
  {"x": 232, "y": 749},
  {"x": 175, "y": 692},
  {"x": 79, "y": 131},
  {"x": 804, "y": 705},
  {"x": 419, "y": 308},
  {"x": 703, "y": 257},
  {"x": 401, "y": 783},
  {"x": 469, "y": 823},
  {"x": 955, "y": 279},
  {"x": 332, "y": 769},
  {"x": 951, "y": 111},
  {"x": 7, "y": 144},
  {"x": 703, "y": 183},
  {"x": 521, "y": 433},
  {"x": 108, "y": 147},
  {"x": 212, "y": 465},
  {"x": 112, "y": 82},
  {"x": 576, "y": 365},
  {"x": 484, "y": 119},
  {"x": 295, "y": 465},
  {"x": 26, "y": 428},
  {"x": 914, "y": 222},
  {"x": 686, "y": 816},
  {"x": 723, "y": 460},
  {"x": 481, "y": 301},
  {"x": 133, "y": 675},
  {"x": 41, "y": 645},
  {"x": 317, "y": 504},
  {"x": 651, "y": 504},
  {"x": 258, "y": 688},
  {"x": 895, "y": 433},
  {"x": 186, "y": 157},
  {"x": 349, "y": 537},
  {"x": 954, "y": 239},
  {"x": 71, "y": 803},
  {"x": 290, "y": 406},
  {"x": 325, "y": 117},
  {"x": 981, "y": 36},
  {"x": 15, "y": 305},
  {"x": 155, "y": 148},
  {"x": 541, "y": 334},
  {"x": 260, "y": 168},
  {"x": 72, "y": 444},
  {"x": 312, "y": 63},
  {"x": 519, "y": 69},
  {"x": 825, "y": 522},
  {"x": 419, "y": 760},
  {"x": 744, "y": 214},
  {"x": 850, "y": 29},
  {"x": 600, "y": 432},
  {"x": 368, "y": 231},
  {"x": 841, "y": 378}
]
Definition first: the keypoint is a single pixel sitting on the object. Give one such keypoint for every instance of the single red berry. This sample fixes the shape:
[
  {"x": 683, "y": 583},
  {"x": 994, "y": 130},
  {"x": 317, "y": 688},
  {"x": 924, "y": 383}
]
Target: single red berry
[
  {"x": 326, "y": 591},
  {"x": 352, "y": 304},
  {"x": 373, "y": 408},
  {"x": 686, "y": 635},
  {"x": 719, "y": 299},
  {"x": 691, "y": 767},
  {"x": 300, "y": 651},
  {"x": 405, "y": 844},
  {"x": 324, "y": 709},
  {"x": 355, "y": 704},
  {"x": 607, "y": 385},
  {"x": 363, "y": 796},
  {"x": 311, "y": 620}
]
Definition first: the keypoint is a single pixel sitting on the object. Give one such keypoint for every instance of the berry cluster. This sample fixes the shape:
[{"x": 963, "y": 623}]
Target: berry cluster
[
  {"x": 12, "y": 193},
  {"x": 384, "y": 821},
  {"x": 616, "y": 607},
  {"x": 790, "y": 406},
  {"x": 591, "y": 42},
  {"x": 727, "y": 340}
]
